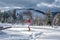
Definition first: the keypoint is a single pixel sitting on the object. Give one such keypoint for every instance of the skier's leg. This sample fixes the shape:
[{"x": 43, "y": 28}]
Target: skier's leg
[{"x": 29, "y": 27}]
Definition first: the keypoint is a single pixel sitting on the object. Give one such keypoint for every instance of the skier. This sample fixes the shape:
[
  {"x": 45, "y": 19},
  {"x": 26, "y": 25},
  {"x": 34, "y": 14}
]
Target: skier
[{"x": 28, "y": 22}]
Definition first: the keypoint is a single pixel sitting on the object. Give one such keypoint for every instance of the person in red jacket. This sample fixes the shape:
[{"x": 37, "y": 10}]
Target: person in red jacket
[{"x": 28, "y": 22}]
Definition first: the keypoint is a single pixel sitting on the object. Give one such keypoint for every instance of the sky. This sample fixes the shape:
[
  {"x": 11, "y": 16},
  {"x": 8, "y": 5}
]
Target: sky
[{"x": 43, "y": 5}]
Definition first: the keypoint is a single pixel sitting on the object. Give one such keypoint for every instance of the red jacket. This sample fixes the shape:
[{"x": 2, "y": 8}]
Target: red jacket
[{"x": 28, "y": 20}]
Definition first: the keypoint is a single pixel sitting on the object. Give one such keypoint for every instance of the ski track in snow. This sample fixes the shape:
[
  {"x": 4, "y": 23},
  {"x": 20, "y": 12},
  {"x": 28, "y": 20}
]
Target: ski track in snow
[{"x": 20, "y": 32}]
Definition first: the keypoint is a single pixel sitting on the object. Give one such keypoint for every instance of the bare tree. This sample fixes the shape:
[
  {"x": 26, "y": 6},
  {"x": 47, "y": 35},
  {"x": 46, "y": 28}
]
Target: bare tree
[{"x": 56, "y": 20}]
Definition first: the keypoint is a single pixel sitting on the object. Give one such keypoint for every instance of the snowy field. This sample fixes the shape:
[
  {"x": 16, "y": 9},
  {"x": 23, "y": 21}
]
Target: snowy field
[{"x": 20, "y": 32}]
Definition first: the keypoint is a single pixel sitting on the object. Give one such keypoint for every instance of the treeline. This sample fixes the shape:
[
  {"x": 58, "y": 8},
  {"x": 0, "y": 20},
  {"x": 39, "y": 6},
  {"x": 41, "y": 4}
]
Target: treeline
[{"x": 12, "y": 16}]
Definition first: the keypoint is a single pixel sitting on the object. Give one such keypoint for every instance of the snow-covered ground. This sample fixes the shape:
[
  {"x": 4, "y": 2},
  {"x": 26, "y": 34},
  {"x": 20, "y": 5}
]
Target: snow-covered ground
[{"x": 20, "y": 32}]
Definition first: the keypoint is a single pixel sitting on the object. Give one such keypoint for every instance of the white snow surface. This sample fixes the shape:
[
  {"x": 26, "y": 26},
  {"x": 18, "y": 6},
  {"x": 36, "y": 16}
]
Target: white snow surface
[{"x": 20, "y": 32}]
